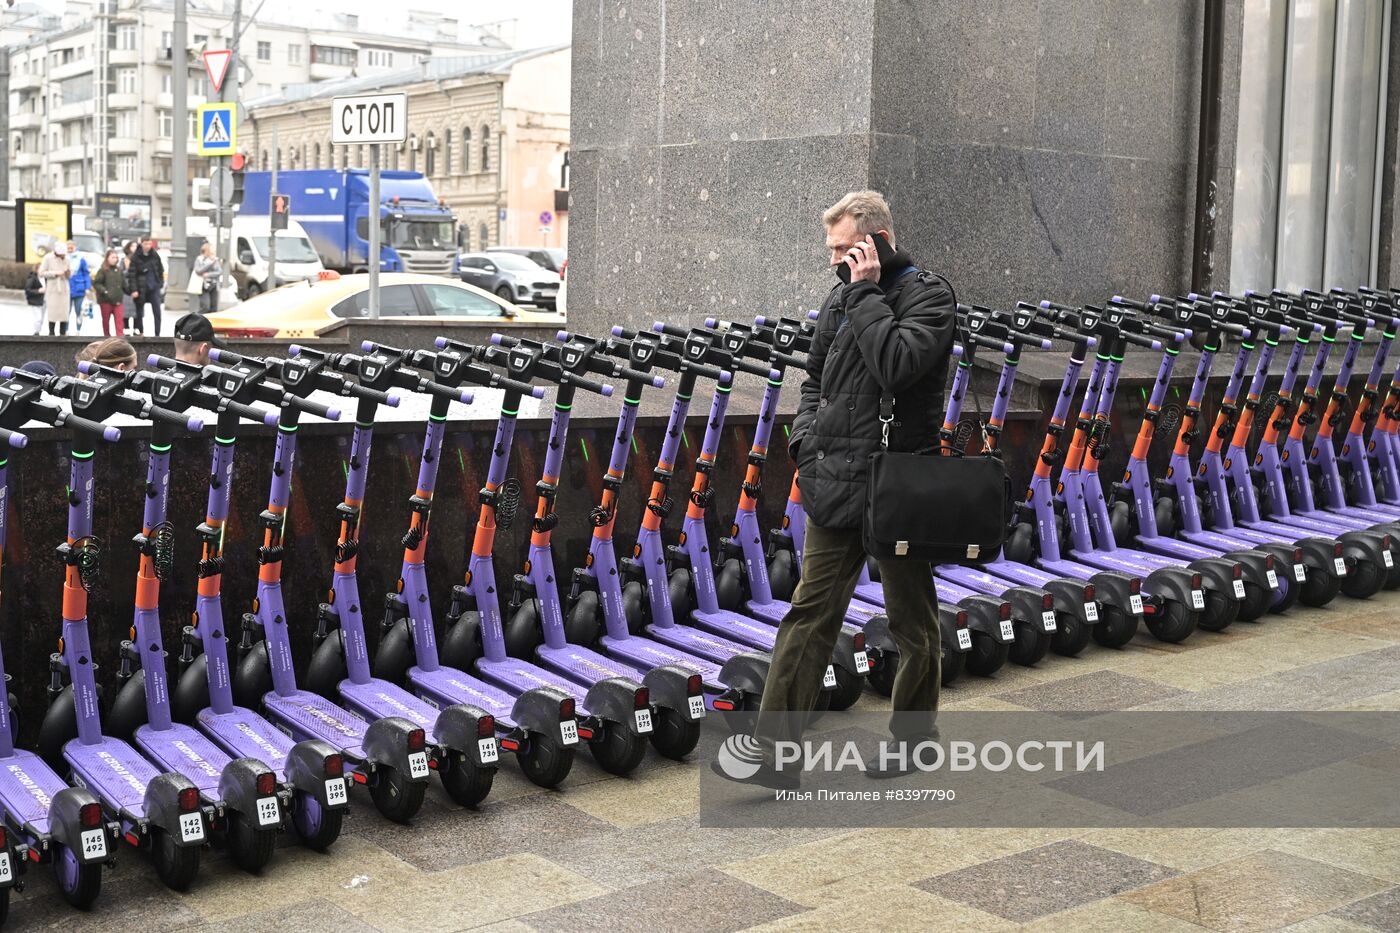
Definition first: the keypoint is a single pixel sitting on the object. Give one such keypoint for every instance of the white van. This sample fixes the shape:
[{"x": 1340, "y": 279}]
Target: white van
[{"x": 297, "y": 260}]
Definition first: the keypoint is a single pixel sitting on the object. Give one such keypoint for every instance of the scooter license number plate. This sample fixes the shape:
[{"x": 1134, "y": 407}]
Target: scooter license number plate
[
  {"x": 1239, "y": 589},
  {"x": 269, "y": 813},
  {"x": 488, "y": 751},
  {"x": 1272, "y": 578},
  {"x": 1341, "y": 565},
  {"x": 1389, "y": 560},
  {"x": 335, "y": 792},
  {"x": 1091, "y": 611},
  {"x": 1300, "y": 573},
  {"x": 829, "y": 678},
  {"x": 862, "y": 663},
  {"x": 964, "y": 640},
  {"x": 1198, "y": 599},
  {"x": 94, "y": 843},
  {"x": 1007, "y": 632},
  {"x": 643, "y": 717},
  {"x": 1047, "y": 620},
  {"x": 697, "y": 707},
  {"x": 418, "y": 765},
  {"x": 191, "y": 827},
  {"x": 568, "y": 732},
  {"x": 7, "y": 872},
  {"x": 1135, "y": 603}
]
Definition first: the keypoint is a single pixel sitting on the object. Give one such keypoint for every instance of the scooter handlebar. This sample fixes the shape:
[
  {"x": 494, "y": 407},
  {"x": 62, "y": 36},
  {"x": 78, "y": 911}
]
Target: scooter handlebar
[
  {"x": 308, "y": 407},
  {"x": 192, "y": 423},
  {"x": 636, "y": 375},
  {"x": 587, "y": 385},
  {"x": 672, "y": 330},
  {"x": 14, "y": 439},
  {"x": 441, "y": 391}
]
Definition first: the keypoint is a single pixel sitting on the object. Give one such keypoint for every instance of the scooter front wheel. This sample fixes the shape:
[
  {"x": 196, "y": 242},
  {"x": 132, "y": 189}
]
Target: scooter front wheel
[
  {"x": 1071, "y": 636},
  {"x": 79, "y": 884},
  {"x": 619, "y": 750},
  {"x": 1221, "y": 610},
  {"x": 674, "y": 736},
  {"x": 729, "y": 584},
  {"x": 987, "y": 655},
  {"x": 176, "y": 865},
  {"x": 1255, "y": 603},
  {"x": 464, "y": 782},
  {"x": 881, "y": 676},
  {"x": 1173, "y": 622},
  {"x": 1031, "y": 645},
  {"x": 1319, "y": 589},
  {"x": 634, "y": 607},
  {"x": 782, "y": 575},
  {"x": 545, "y": 760},
  {"x": 250, "y": 846},
  {"x": 316, "y": 826},
  {"x": 396, "y": 796},
  {"x": 1116, "y": 628},
  {"x": 949, "y": 669}
]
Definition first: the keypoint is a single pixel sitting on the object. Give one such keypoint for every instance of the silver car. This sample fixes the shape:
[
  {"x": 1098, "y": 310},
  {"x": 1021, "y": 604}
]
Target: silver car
[{"x": 511, "y": 277}]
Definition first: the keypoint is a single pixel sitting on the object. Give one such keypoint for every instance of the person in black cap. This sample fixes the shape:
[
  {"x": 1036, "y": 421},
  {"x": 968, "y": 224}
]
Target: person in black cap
[{"x": 194, "y": 335}]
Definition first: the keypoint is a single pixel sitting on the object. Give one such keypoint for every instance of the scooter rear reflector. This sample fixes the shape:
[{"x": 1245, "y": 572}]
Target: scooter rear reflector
[
  {"x": 417, "y": 739},
  {"x": 693, "y": 685},
  {"x": 335, "y": 766},
  {"x": 189, "y": 800},
  {"x": 90, "y": 815},
  {"x": 642, "y": 698},
  {"x": 566, "y": 708},
  {"x": 267, "y": 784},
  {"x": 486, "y": 727}
]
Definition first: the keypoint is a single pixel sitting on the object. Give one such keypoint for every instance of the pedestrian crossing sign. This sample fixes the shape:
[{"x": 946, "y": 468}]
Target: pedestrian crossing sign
[{"x": 217, "y": 129}]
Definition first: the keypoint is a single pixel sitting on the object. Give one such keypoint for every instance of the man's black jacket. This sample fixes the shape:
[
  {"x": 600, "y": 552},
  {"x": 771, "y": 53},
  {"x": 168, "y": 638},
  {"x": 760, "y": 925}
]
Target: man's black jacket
[
  {"x": 145, "y": 273},
  {"x": 895, "y": 337}
]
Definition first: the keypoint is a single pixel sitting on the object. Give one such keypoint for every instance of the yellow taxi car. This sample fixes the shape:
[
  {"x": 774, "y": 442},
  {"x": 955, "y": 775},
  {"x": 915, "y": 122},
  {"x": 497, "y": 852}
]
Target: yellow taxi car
[{"x": 304, "y": 310}]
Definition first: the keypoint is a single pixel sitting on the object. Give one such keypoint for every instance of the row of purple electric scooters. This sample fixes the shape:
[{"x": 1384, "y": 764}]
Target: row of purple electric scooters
[{"x": 232, "y": 747}]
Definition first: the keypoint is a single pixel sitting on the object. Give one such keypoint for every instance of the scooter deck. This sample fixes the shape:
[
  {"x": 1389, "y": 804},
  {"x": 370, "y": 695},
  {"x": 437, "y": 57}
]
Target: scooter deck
[
  {"x": 643, "y": 654},
  {"x": 585, "y": 666},
  {"x": 311, "y": 716},
  {"x": 245, "y": 734},
  {"x": 448, "y": 686},
  {"x": 377, "y": 699},
  {"x": 115, "y": 771},
  {"x": 693, "y": 641},
  {"x": 1175, "y": 548},
  {"x": 741, "y": 628},
  {"x": 872, "y": 594},
  {"x": 773, "y": 611},
  {"x": 518, "y": 676},
  {"x": 27, "y": 785},
  {"x": 186, "y": 751}
]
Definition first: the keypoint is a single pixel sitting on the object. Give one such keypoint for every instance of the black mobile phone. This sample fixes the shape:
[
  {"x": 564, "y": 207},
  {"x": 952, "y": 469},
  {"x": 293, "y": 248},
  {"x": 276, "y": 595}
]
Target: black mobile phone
[{"x": 883, "y": 250}]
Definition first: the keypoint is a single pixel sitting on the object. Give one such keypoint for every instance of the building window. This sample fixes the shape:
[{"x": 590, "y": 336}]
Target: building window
[
  {"x": 466, "y": 149},
  {"x": 200, "y": 38},
  {"x": 126, "y": 168},
  {"x": 413, "y": 152},
  {"x": 165, "y": 82},
  {"x": 332, "y": 55},
  {"x": 485, "y": 148},
  {"x": 126, "y": 80},
  {"x": 277, "y": 155},
  {"x": 430, "y": 155},
  {"x": 165, "y": 124},
  {"x": 485, "y": 237},
  {"x": 293, "y": 54},
  {"x": 126, "y": 124},
  {"x": 264, "y": 160},
  {"x": 447, "y": 153},
  {"x": 167, "y": 39},
  {"x": 126, "y": 37},
  {"x": 394, "y": 157},
  {"x": 193, "y": 121},
  {"x": 264, "y": 51},
  {"x": 317, "y": 163},
  {"x": 198, "y": 85}
]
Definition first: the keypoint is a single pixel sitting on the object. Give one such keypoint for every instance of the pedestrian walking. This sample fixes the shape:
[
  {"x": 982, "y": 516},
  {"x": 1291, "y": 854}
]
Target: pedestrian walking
[
  {"x": 145, "y": 283},
  {"x": 129, "y": 309},
  {"x": 79, "y": 284},
  {"x": 885, "y": 330},
  {"x": 109, "y": 285},
  {"x": 210, "y": 271},
  {"x": 34, "y": 297},
  {"x": 54, "y": 272}
]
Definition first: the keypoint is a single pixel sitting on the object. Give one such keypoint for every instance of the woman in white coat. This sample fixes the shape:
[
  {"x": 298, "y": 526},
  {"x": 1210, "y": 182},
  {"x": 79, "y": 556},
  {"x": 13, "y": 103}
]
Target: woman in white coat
[{"x": 54, "y": 273}]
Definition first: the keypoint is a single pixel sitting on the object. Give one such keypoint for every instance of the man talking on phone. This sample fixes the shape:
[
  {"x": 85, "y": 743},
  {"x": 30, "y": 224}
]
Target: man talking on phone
[{"x": 886, "y": 327}]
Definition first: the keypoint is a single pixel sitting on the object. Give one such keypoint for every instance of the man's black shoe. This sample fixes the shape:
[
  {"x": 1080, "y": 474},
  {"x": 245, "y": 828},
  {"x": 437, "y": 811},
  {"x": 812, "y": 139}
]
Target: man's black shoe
[
  {"x": 899, "y": 762},
  {"x": 765, "y": 776}
]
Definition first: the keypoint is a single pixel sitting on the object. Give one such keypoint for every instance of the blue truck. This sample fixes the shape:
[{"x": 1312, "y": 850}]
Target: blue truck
[{"x": 333, "y": 207}]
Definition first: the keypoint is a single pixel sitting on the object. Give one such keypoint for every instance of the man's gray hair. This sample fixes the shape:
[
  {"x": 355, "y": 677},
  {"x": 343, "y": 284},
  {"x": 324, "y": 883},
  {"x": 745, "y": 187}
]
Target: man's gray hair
[{"x": 869, "y": 210}]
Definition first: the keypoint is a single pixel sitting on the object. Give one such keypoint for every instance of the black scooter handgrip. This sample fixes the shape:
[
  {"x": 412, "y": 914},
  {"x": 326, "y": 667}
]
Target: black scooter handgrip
[
  {"x": 637, "y": 376},
  {"x": 13, "y": 438},
  {"x": 107, "y": 432},
  {"x": 306, "y": 406},
  {"x": 192, "y": 423},
  {"x": 156, "y": 361},
  {"x": 587, "y": 385},
  {"x": 673, "y": 330},
  {"x": 515, "y": 385},
  {"x": 1141, "y": 340},
  {"x": 455, "y": 395},
  {"x": 226, "y": 357},
  {"x": 762, "y": 370},
  {"x": 265, "y": 416},
  {"x": 353, "y": 390},
  {"x": 1168, "y": 331},
  {"x": 623, "y": 333},
  {"x": 369, "y": 346}
]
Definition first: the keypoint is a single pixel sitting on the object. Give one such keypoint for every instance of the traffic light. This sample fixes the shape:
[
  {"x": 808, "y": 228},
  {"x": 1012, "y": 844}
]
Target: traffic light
[
  {"x": 237, "y": 163},
  {"x": 280, "y": 211}
]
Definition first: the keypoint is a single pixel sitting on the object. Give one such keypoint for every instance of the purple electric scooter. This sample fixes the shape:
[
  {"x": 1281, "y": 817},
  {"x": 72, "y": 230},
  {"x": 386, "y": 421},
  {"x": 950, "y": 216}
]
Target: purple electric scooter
[
  {"x": 45, "y": 820},
  {"x": 615, "y": 714},
  {"x": 732, "y": 675},
  {"x": 535, "y": 609},
  {"x": 389, "y": 755},
  {"x": 462, "y": 736},
  {"x": 1357, "y": 456},
  {"x": 244, "y": 792},
  {"x": 539, "y": 726},
  {"x": 158, "y": 811}
]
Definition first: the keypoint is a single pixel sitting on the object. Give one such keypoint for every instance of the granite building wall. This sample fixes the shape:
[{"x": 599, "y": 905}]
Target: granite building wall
[{"x": 1029, "y": 147}]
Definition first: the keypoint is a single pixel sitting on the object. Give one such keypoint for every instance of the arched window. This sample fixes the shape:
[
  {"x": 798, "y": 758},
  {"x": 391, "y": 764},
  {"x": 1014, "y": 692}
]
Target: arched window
[
  {"x": 485, "y": 237},
  {"x": 430, "y": 154},
  {"x": 394, "y": 157},
  {"x": 264, "y": 160},
  {"x": 447, "y": 153},
  {"x": 466, "y": 149},
  {"x": 485, "y": 148},
  {"x": 413, "y": 152},
  {"x": 317, "y": 163},
  {"x": 277, "y": 156}
]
